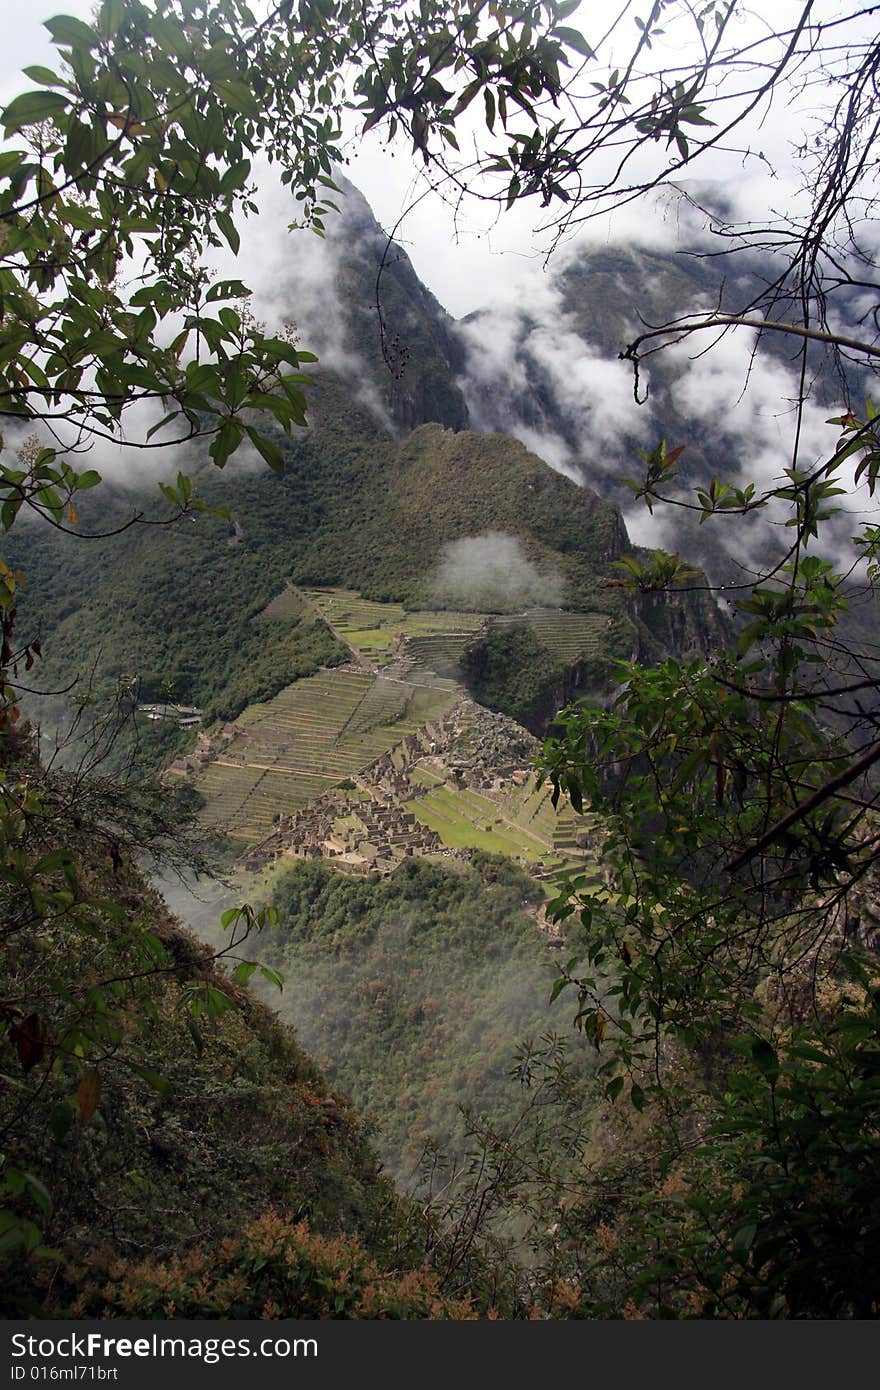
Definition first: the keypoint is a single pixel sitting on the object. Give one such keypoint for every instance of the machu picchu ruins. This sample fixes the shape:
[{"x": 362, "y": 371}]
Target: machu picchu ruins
[{"x": 383, "y": 757}]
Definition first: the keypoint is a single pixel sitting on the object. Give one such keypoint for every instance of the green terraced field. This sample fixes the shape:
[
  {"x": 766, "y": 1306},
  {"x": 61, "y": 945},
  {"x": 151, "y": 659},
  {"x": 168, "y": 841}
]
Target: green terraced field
[
  {"x": 386, "y": 702},
  {"x": 532, "y": 808},
  {"x": 520, "y": 822},
  {"x": 311, "y": 735},
  {"x": 466, "y": 819},
  {"x": 242, "y": 801},
  {"x": 570, "y": 636},
  {"x": 374, "y": 630},
  {"x": 321, "y": 730},
  {"x": 437, "y": 653}
]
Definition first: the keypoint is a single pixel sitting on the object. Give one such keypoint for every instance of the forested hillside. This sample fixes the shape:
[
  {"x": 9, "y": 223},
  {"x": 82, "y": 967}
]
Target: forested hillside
[
  {"x": 143, "y": 1188},
  {"x": 440, "y": 970},
  {"x": 362, "y": 502}
]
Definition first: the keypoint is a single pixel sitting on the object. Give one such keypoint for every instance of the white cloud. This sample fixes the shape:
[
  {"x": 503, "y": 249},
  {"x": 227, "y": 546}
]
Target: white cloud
[{"x": 492, "y": 572}]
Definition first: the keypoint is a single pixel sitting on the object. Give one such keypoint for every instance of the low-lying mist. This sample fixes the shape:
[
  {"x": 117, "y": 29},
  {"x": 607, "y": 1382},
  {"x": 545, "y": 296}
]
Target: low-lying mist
[
  {"x": 412, "y": 992},
  {"x": 492, "y": 572}
]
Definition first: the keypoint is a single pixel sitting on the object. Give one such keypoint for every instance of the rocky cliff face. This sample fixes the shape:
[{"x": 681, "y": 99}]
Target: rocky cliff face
[
  {"x": 401, "y": 333},
  {"x": 688, "y": 624}
]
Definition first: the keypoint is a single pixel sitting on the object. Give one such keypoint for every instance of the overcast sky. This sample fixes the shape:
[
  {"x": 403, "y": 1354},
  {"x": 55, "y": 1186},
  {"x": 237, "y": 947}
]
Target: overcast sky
[
  {"x": 464, "y": 270},
  {"x": 500, "y": 268},
  {"x": 476, "y": 263}
]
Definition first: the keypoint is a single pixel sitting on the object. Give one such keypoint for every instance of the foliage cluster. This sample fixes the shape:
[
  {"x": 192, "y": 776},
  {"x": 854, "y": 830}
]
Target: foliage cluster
[
  {"x": 738, "y": 872},
  {"x": 746, "y": 1188},
  {"x": 511, "y": 671},
  {"x": 437, "y": 972},
  {"x": 272, "y": 1268},
  {"x": 770, "y": 1210},
  {"x": 150, "y": 1100}
]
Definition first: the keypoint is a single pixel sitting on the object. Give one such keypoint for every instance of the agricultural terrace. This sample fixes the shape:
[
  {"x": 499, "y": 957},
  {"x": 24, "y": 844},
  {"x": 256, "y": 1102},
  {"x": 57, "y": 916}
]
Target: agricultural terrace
[
  {"x": 310, "y": 736},
  {"x": 290, "y": 603},
  {"x": 377, "y": 632},
  {"x": 569, "y": 636}
]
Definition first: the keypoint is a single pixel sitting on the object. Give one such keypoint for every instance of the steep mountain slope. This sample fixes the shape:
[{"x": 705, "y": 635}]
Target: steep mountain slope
[
  {"x": 353, "y": 508},
  {"x": 553, "y": 378},
  {"x": 152, "y": 1106},
  {"x": 435, "y": 515},
  {"x": 438, "y": 969},
  {"x": 393, "y": 323}
]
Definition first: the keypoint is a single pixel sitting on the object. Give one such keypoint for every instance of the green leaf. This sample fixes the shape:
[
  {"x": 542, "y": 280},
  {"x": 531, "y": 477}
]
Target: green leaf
[
  {"x": 226, "y": 441},
  {"x": 238, "y": 96},
  {"x": 268, "y": 449},
  {"x": 87, "y": 480},
  {"x": 45, "y": 76},
  {"x": 226, "y": 225},
  {"x": 243, "y": 971},
  {"x": 9, "y": 511},
  {"x": 227, "y": 289},
  {"x": 110, "y": 16},
  {"x": 614, "y": 1088},
  {"x": 171, "y": 36},
  {"x": 71, "y": 33},
  {"x": 55, "y": 859},
  {"x": 235, "y": 177},
  {"x": 160, "y": 424},
  {"x": 9, "y": 160},
  {"x": 573, "y": 39},
  {"x": 558, "y": 986},
  {"x": 195, "y": 1033},
  {"x": 749, "y": 635},
  {"x": 31, "y": 107},
  {"x": 218, "y": 1001},
  {"x": 744, "y": 1237}
]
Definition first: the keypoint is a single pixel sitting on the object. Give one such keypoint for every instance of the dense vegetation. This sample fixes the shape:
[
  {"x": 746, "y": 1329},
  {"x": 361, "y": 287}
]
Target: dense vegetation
[
  {"x": 211, "y": 1115},
  {"x": 440, "y": 971},
  {"x": 511, "y": 671},
  {"x": 177, "y": 607}
]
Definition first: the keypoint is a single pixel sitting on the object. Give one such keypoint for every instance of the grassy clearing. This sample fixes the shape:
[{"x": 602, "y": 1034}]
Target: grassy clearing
[
  {"x": 518, "y": 821},
  {"x": 465, "y": 819},
  {"x": 459, "y": 832}
]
